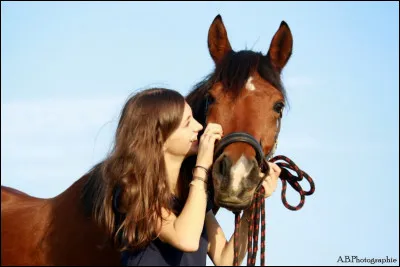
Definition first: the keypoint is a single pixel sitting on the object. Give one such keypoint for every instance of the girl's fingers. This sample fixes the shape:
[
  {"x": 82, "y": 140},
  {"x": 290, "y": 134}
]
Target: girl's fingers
[
  {"x": 274, "y": 169},
  {"x": 213, "y": 137},
  {"x": 213, "y": 128}
]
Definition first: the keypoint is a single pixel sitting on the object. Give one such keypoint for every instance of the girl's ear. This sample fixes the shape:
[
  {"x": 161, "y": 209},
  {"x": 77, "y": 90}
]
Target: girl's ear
[{"x": 165, "y": 146}]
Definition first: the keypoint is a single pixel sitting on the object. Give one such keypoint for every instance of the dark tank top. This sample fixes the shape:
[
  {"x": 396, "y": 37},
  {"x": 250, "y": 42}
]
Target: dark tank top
[{"x": 158, "y": 253}]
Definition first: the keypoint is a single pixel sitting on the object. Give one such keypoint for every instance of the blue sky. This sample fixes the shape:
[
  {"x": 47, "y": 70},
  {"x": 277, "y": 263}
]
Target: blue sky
[{"x": 67, "y": 68}]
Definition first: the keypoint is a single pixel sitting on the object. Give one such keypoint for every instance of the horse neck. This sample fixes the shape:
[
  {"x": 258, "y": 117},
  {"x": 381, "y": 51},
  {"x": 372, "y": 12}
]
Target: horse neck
[
  {"x": 70, "y": 231},
  {"x": 68, "y": 214},
  {"x": 70, "y": 201}
]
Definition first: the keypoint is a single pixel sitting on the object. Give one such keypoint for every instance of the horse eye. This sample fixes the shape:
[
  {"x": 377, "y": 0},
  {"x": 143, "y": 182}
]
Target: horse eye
[
  {"x": 211, "y": 99},
  {"x": 278, "y": 108}
]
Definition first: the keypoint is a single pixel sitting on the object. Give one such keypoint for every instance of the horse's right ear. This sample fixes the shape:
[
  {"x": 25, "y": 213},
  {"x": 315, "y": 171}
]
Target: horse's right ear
[
  {"x": 280, "y": 48},
  {"x": 218, "y": 43}
]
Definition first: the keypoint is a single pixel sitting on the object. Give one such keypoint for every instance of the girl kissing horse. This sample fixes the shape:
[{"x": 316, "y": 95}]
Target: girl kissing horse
[{"x": 244, "y": 94}]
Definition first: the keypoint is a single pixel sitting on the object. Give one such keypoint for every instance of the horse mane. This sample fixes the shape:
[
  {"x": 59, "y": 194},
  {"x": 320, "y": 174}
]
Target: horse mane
[{"x": 94, "y": 190}]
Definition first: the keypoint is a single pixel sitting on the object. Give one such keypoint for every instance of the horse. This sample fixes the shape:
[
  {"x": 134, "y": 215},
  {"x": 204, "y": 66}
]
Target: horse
[{"x": 244, "y": 94}]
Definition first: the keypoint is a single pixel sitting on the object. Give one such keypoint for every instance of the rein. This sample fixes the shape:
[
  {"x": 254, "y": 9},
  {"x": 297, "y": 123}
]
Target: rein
[{"x": 258, "y": 209}]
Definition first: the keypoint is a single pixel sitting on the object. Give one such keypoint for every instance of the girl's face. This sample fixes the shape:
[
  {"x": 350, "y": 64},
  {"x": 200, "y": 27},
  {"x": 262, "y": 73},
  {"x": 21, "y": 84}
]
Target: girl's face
[{"x": 184, "y": 140}]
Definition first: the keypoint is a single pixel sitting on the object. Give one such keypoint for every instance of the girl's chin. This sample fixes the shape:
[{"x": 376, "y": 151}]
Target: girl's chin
[{"x": 194, "y": 148}]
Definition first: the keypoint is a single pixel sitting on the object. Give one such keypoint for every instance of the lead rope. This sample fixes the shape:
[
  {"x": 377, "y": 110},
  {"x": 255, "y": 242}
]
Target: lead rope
[{"x": 258, "y": 206}]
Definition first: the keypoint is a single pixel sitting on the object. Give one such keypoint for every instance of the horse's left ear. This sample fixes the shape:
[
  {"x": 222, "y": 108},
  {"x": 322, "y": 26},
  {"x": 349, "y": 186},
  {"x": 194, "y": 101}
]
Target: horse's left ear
[
  {"x": 218, "y": 42},
  {"x": 280, "y": 48}
]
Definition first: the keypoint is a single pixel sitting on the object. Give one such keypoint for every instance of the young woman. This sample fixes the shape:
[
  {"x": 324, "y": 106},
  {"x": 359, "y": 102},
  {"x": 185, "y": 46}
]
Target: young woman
[{"x": 162, "y": 218}]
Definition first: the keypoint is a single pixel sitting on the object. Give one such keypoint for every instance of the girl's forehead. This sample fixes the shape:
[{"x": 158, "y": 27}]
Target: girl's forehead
[{"x": 188, "y": 109}]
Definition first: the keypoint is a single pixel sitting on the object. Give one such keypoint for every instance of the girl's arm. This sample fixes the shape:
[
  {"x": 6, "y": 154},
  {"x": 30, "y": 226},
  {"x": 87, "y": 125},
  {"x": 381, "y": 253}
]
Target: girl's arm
[
  {"x": 184, "y": 231},
  {"x": 220, "y": 250}
]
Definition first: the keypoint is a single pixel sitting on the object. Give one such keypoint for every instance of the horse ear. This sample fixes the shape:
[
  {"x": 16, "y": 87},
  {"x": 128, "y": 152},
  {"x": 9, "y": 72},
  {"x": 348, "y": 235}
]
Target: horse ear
[
  {"x": 280, "y": 48},
  {"x": 218, "y": 43}
]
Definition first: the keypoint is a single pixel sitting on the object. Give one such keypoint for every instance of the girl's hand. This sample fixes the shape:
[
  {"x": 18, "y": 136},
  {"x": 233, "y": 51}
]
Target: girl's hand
[
  {"x": 271, "y": 181},
  {"x": 205, "y": 153}
]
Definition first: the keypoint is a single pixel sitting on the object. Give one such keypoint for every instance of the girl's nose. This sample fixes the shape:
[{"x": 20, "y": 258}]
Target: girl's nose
[{"x": 199, "y": 126}]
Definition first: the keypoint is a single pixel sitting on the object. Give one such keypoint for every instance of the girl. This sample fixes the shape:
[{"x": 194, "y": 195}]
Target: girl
[{"x": 160, "y": 217}]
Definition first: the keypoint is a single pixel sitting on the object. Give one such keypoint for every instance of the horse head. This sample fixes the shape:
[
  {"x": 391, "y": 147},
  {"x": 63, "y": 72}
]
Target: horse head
[{"x": 245, "y": 95}]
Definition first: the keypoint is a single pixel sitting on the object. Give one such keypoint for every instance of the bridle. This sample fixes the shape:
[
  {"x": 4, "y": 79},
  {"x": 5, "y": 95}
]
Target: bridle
[
  {"x": 249, "y": 139},
  {"x": 258, "y": 204}
]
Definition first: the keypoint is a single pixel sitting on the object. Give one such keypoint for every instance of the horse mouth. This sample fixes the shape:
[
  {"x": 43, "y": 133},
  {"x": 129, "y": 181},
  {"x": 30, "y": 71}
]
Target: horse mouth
[{"x": 234, "y": 206}]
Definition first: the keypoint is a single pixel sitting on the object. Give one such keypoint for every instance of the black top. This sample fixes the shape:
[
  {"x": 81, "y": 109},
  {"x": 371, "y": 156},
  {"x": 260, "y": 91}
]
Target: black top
[{"x": 158, "y": 253}]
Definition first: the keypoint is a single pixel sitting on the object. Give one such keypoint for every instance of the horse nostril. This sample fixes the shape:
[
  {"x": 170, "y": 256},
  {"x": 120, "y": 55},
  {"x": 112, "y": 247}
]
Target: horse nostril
[{"x": 224, "y": 166}]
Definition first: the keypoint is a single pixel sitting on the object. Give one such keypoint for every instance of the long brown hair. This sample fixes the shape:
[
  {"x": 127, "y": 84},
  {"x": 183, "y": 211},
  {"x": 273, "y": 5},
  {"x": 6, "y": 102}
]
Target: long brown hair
[{"x": 136, "y": 166}]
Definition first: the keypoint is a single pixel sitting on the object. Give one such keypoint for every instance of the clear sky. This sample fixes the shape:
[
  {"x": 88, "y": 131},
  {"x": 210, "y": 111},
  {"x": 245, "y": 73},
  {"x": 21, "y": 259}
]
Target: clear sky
[{"x": 67, "y": 68}]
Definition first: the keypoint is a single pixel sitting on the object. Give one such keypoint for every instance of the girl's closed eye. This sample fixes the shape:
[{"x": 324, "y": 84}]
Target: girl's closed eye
[{"x": 188, "y": 123}]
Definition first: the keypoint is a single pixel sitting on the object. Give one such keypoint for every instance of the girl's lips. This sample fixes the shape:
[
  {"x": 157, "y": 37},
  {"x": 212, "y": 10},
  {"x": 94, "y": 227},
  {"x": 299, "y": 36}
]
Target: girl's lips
[{"x": 194, "y": 144}]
